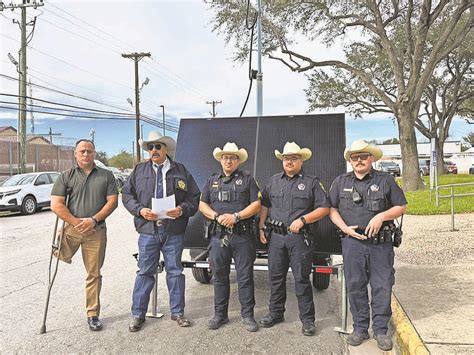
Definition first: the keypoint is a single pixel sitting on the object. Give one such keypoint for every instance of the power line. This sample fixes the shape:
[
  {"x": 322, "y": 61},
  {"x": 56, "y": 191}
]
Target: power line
[
  {"x": 147, "y": 120},
  {"x": 143, "y": 114}
]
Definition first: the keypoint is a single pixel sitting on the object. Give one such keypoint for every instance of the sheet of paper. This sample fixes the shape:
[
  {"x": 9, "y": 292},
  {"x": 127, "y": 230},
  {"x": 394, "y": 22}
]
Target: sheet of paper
[{"x": 161, "y": 205}]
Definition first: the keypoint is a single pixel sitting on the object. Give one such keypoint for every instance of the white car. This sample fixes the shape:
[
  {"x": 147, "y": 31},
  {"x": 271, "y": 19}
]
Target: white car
[{"x": 27, "y": 192}]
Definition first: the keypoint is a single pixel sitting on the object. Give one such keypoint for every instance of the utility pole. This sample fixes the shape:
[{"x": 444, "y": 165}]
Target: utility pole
[
  {"x": 213, "y": 103},
  {"x": 31, "y": 110},
  {"x": 259, "y": 61},
  {"x": 22, "y": 83},
  {"x": 164, "y": 129},
  {"x": 136, "y": 58}
]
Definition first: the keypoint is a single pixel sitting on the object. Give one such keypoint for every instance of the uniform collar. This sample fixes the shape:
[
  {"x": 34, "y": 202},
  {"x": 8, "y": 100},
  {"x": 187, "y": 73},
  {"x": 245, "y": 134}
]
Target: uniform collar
[
  {"x": 300, "y": 174},
  {"x": 166, "y": 164},
  {"x": 369, "y": 175},
  {"x": 236, "y": 173}
]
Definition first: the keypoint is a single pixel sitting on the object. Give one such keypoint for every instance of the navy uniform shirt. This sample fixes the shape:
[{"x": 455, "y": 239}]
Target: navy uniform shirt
[
  {"x": 230, "y": 194},
  {"x": 289, "y": 198},
  {"x": 378, "y": 191}
]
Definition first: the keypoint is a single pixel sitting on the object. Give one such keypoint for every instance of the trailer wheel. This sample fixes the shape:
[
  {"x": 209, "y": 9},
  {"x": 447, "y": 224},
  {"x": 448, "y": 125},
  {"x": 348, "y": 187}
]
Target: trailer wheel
[
  {"x": 321, "y": 281},
  {"x": 201, "y": 275}
]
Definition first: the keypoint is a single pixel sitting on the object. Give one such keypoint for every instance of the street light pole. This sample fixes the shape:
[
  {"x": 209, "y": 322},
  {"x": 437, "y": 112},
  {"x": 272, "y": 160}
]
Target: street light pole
[{"x": 164, "y": 129}]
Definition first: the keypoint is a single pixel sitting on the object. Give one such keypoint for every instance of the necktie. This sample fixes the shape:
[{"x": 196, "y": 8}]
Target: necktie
[{"x": 159, "y": 182}]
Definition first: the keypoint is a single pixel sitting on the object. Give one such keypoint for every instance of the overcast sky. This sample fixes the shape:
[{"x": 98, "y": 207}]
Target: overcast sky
[{"x": 77, "y": 48}]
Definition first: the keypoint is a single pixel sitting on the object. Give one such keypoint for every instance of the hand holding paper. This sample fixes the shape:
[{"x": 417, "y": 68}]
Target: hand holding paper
[{"x": 162, "y": 205}]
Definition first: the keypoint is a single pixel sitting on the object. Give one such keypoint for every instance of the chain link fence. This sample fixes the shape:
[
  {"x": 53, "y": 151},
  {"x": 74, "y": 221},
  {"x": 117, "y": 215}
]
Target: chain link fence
[{"x": 39, "y": 157}]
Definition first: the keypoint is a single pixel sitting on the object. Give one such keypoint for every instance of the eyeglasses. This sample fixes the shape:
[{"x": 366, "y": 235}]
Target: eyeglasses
[
  {"x": 230, "y": 158},
  {"x": 362, "y": 157},
  {"x": 157, "y": 146},
  {"x": 292, "y": 159}
]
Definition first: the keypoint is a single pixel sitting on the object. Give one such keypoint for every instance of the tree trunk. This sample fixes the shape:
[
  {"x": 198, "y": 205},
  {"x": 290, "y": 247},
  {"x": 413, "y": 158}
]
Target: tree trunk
[{"x": 411, "y": 169}]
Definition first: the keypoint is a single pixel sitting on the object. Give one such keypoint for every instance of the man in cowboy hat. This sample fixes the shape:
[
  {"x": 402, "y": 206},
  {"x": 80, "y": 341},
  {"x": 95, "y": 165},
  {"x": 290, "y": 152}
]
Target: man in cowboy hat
[
  {"x": 293, "y": 200},
  {"x": 364, "y": 203},
  {"x": 231, "y": 199},
  {"x": 159, "y": 177}
]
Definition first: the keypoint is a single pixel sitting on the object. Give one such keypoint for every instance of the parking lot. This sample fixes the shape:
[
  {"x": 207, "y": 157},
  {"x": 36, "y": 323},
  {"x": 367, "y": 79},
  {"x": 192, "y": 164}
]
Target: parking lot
[{"x": 25, "y": 249}]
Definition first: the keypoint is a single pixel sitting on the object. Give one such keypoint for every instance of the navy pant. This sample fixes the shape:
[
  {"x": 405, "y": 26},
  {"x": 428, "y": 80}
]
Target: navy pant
[
  {"x": 242, "y": 249},
  {"x": 364, "y": 263},
  {"x": 149, "y": 246},
  {"x": 285, "y": 251}
]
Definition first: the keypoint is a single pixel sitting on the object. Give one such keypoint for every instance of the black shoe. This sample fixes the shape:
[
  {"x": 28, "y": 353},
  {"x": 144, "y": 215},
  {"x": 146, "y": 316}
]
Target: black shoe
[
  {"x": 308, "y": 329},
  {"x": 136, "y": 324},
  {"x": 356, "y": 338},
  {"x": 250, "y": 324},
  {"x": 383, "y": 342},
  {"x": 271, "y": 319},
  {"x": 94, "y": 323},
  {"x": 216, "y": 322}
]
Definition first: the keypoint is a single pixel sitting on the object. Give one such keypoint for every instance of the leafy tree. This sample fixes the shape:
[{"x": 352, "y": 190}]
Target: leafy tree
[
  {"x": 102, "y": 157},
  {"x": 391, "y": 141},
  {"x": 469, "y": 139},
  {"x": 122, "y": 160},
  {"x": 376, "y": 29}
]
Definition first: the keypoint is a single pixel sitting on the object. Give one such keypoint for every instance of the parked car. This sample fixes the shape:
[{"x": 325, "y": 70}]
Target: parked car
[
  {"x": 471, "y": 169},
  {"x": 27, "y": 193},
  {"x": 390, "y": 167},
  {"x": 119, "y": 177},
  {"x": 424, "y": 167},
  {"x": 450, "y": 167}
]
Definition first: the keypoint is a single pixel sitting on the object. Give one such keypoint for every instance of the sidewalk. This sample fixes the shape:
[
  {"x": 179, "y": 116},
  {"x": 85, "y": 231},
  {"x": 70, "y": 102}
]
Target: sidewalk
[{"x": 435, "y": 284}]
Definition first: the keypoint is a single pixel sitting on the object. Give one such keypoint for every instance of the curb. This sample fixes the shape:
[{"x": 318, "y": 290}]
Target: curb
[{"x": 407, "y": 337}]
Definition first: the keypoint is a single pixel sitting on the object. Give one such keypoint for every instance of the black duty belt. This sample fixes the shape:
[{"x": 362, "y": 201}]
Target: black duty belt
[{"x": 389, "y": 233}]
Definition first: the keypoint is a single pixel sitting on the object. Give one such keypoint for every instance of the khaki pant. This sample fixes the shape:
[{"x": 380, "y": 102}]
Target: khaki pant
[{"x": 93, "y": 255}]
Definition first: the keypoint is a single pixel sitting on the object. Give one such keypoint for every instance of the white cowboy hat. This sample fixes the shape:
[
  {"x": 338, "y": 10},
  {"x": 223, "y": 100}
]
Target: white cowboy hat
[
  {"x": 363, "y": 147},
  {"x": 291, "y": 148},
  {"x": 230, "y": 148},
  {"x": 157, "y": 137}
]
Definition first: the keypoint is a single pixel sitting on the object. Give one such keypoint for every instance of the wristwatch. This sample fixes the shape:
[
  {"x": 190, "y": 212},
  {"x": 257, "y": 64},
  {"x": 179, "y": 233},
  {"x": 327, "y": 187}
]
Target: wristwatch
[
  {"x": 237, "y": 217},
  {"x": 302, "y": 219},
  {"x": 216, "y": 216},
  {"x": 95, "y": 221}
]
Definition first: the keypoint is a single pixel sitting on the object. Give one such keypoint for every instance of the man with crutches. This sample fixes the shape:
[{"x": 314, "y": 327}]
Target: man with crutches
[{"x": 92, "y": 199}]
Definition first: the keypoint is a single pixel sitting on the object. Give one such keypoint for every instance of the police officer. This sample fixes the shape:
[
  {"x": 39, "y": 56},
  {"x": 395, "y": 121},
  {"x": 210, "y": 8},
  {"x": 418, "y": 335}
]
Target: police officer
[
  {"x": 363, "y": 202},
  {"x": 292, "y": 200},
  {"x": 160, "y": 177},
  {"x": 231, "y": 198}
]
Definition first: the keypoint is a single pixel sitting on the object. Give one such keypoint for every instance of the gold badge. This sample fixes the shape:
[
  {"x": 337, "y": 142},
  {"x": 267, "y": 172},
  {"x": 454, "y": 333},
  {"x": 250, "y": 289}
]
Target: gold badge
[{"x": 181, "y": 184}]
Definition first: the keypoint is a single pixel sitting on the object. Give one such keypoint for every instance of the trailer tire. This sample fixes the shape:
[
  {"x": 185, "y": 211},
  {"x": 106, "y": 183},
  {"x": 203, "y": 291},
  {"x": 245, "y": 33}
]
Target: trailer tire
[
  {"x": 321, "y": 281},
  {"x": 201, "y": 275}
]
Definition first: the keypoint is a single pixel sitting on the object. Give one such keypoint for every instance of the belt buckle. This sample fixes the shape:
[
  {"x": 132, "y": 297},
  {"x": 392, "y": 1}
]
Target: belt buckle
[{"x": 159, "y": 222}]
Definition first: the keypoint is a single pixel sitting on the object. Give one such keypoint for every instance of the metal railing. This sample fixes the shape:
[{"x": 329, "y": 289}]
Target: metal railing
[{"x": 452, "y": 195}]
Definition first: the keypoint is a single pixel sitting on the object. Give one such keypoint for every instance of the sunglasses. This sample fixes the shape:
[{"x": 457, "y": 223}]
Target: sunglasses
[
  {"x": 156, "y": 146},
  {"x": 360, "y": 156},
  {"x": 292, "y": 159}
]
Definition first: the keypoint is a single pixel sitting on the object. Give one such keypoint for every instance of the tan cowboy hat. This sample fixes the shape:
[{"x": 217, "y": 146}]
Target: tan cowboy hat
[
  {"x": 230, "y": 148},
  {"x": 157, "y": 137},
  {"x": 363, "y": 147},
  {"x": 291, "y": 148}
]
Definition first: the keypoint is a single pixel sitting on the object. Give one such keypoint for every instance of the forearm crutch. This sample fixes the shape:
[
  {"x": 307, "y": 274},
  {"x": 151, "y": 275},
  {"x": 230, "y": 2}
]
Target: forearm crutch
[{"x": 55, "y": 248}]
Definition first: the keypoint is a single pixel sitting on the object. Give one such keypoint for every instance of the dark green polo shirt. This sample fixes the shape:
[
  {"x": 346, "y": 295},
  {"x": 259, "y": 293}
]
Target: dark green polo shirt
[{"x": 89, "y": 192}]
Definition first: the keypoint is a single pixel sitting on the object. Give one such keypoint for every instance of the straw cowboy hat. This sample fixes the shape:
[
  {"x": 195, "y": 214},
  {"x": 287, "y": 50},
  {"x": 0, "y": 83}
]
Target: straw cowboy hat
[
  {"x": 230, "y": 148},
  {"x": 157, "y": 137},
  {"x": 291, "y": 148},
  {"x": 363, "y": 147}
]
